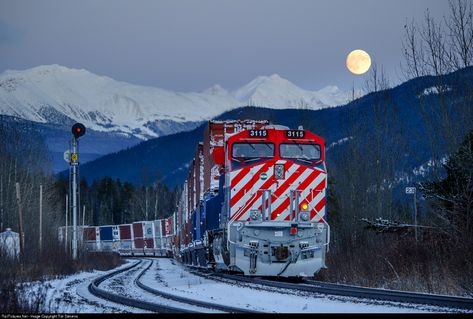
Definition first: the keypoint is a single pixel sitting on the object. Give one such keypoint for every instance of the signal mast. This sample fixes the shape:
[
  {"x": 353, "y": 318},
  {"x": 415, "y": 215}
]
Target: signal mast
[{"x": 77, "y": 130}]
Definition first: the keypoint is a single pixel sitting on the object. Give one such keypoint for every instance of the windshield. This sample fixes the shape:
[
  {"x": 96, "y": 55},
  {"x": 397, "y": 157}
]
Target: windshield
[
  {"x": 252, "y": 150},
  {"x": 304, "y": 151}
]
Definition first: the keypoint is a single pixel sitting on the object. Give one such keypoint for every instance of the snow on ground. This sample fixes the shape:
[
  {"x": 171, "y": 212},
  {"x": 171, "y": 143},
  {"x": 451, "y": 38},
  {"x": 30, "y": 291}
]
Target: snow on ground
[
  {"x": 70, "y": 294},
  {"x": 123, "y": 284},
  {"x": 171, "y": 277}
]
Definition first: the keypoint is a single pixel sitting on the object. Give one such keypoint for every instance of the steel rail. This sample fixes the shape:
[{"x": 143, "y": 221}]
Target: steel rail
[
  {"x": 319, "y": 287},
  {"x": 189, "y": 301},
  {"x": 392, "y": 295},
  {"x": 140, "y": 304}
]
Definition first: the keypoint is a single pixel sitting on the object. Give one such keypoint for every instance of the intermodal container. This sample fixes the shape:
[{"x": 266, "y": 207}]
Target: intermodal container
[
  {"x": 149, "y": 230},
  {"x": 138, "y": 235},
  {"x": 149, "y": 243},
  {"x": 138, "y": 230},
  {"x": 106, "y": 233},
  {"x": 89, "y": 234},
  {"x": 125, "y": 231}
]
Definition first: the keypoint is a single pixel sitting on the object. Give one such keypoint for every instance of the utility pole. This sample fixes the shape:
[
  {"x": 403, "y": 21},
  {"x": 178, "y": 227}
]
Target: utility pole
[
  {"x": 67, "y": 213},
  {"x": 20, "y": 218},
  {"x": 156, "y": 204},
  {"x": 1, "y": 203},
  {"x": 83, "y": 216},
  {"x": 40, "y": 218},
  {"x": 146, "y": 202}
]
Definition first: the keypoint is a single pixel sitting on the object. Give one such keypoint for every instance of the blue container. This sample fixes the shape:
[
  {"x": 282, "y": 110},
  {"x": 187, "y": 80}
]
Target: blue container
[
  {"x": 213, "y": 206},
  {"x": 193, "y": 226},
  {"x": 195, "y": 218},
  {"x": 197, "y": 223},
  {"x": 106, "y": 233},
  {"x": 203, "y": 221}
]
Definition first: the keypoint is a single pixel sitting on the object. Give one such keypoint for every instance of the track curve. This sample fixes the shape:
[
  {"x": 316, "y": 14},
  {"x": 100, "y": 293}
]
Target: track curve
[
  {"x": 140, "y": 304},
  {"x": 95, "y": 290},
  {"x": 187, "y": 300},
  {"x": 313, "y": 286}
]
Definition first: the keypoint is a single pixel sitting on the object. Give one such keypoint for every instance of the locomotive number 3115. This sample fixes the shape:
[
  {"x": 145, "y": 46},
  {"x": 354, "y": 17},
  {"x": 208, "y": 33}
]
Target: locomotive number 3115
[{"x": 258, "y": 133}]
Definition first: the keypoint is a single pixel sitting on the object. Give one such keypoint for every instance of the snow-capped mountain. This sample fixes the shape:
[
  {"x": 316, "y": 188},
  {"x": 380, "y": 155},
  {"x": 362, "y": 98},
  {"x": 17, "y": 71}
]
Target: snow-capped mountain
[
  {"x": 276, "y": 92},
  {"x": 56, "y": 94}
]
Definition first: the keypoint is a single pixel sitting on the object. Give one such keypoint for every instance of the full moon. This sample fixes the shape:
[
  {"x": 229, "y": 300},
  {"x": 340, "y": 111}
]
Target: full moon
[{"x": 358, "y": 62}]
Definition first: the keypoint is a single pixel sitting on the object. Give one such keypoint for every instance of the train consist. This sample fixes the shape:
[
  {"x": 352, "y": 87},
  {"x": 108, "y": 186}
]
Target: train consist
[
  {"x": 254, "y": 201},
  {"x": 144, "y": 238}
]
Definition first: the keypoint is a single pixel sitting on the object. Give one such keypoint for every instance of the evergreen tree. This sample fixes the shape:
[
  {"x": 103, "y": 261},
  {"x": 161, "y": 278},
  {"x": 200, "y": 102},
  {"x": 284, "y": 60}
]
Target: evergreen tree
[{"x": 452, "y": 197}]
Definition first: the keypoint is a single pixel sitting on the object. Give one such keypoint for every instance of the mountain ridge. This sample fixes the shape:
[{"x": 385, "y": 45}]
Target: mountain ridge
[
  {"x": 165, "y": 158},
  {"x": 58, "y": 94}
]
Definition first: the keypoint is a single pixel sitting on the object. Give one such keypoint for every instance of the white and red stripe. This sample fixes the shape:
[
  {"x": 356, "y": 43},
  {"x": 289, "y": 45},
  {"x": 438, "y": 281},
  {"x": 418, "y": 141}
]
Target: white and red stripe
[{"x": 247, "y": 186}]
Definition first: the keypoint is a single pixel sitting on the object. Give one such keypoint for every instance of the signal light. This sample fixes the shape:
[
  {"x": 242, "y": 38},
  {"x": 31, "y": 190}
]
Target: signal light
[
  {"x": 293, "y": 230},
  {"x": 78, "y": 130},
  {"x": 305, "y": 206}
]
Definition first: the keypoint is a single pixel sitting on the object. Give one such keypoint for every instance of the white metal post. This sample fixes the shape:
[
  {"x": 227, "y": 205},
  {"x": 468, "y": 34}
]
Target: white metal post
[
  {"x": 415, "y": 215},
  {"x": 74, "y": 201},
  {"x": 146, "y": 203},
  {"x": 67, "y": 213},
  {"x": 40, "y": 217},
  {"x": 413, "y": 190}
]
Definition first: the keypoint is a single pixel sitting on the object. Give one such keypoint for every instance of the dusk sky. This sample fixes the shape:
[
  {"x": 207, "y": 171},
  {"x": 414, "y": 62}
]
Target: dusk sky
[{"x": 191, "y": 45}]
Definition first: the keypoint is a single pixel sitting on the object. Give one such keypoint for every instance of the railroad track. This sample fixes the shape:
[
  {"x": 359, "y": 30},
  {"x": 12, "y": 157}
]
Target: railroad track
[
  {"x": 313, "y": 286},
  {"x": 392, "y": 295},
  {"x": 151, "y": 306}
]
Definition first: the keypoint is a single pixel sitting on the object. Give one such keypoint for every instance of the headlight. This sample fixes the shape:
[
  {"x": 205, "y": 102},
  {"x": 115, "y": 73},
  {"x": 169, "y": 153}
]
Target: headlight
[
  {"x": 254, "y": 215},
  {"x": 305, "y": 216}
]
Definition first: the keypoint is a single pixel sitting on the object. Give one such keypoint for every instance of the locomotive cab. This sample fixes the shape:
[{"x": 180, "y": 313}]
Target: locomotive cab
[{"x": 275, "y": 195}]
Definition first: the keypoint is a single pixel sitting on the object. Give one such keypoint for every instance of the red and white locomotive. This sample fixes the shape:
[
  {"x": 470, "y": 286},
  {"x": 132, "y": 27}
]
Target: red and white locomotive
[{"x": 254, "y": 201}]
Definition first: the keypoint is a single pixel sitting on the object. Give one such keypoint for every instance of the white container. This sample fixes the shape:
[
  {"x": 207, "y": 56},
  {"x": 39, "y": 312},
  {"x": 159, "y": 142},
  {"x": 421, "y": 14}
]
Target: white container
[{"x": 10, "y": 244}]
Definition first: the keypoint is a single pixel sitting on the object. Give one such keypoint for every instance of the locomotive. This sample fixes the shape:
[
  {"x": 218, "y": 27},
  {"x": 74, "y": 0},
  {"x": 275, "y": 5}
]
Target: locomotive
[{"x": 254, "y": 201}]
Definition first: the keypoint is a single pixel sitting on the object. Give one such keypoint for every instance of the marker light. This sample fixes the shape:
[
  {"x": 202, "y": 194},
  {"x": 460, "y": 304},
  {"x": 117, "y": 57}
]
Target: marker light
[
  {"x": 293, "y": 230},
  {"x": 305, "y": 206}
]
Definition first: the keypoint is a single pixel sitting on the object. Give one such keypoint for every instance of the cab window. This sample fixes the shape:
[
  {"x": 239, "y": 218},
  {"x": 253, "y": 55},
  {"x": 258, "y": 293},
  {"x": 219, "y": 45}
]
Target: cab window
[
  {"x": 300, "y": 151},
  {"x": 252, "y": 150}
]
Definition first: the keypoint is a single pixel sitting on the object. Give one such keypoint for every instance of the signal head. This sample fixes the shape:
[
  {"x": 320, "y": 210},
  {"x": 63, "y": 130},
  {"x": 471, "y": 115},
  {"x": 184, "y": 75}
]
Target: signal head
[{"x": 78, "y": 130}]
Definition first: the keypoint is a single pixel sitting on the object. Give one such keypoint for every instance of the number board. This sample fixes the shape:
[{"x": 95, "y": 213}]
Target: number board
[
  {"x": 258, "y": 133},
  {"x": 295, "y": 134}
]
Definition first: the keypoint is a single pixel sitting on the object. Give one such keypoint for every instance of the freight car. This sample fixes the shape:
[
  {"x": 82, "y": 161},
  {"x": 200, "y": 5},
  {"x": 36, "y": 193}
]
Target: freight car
[
  {"x": 142, "y": 238},
  {"x": 254, "y": 201}
]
